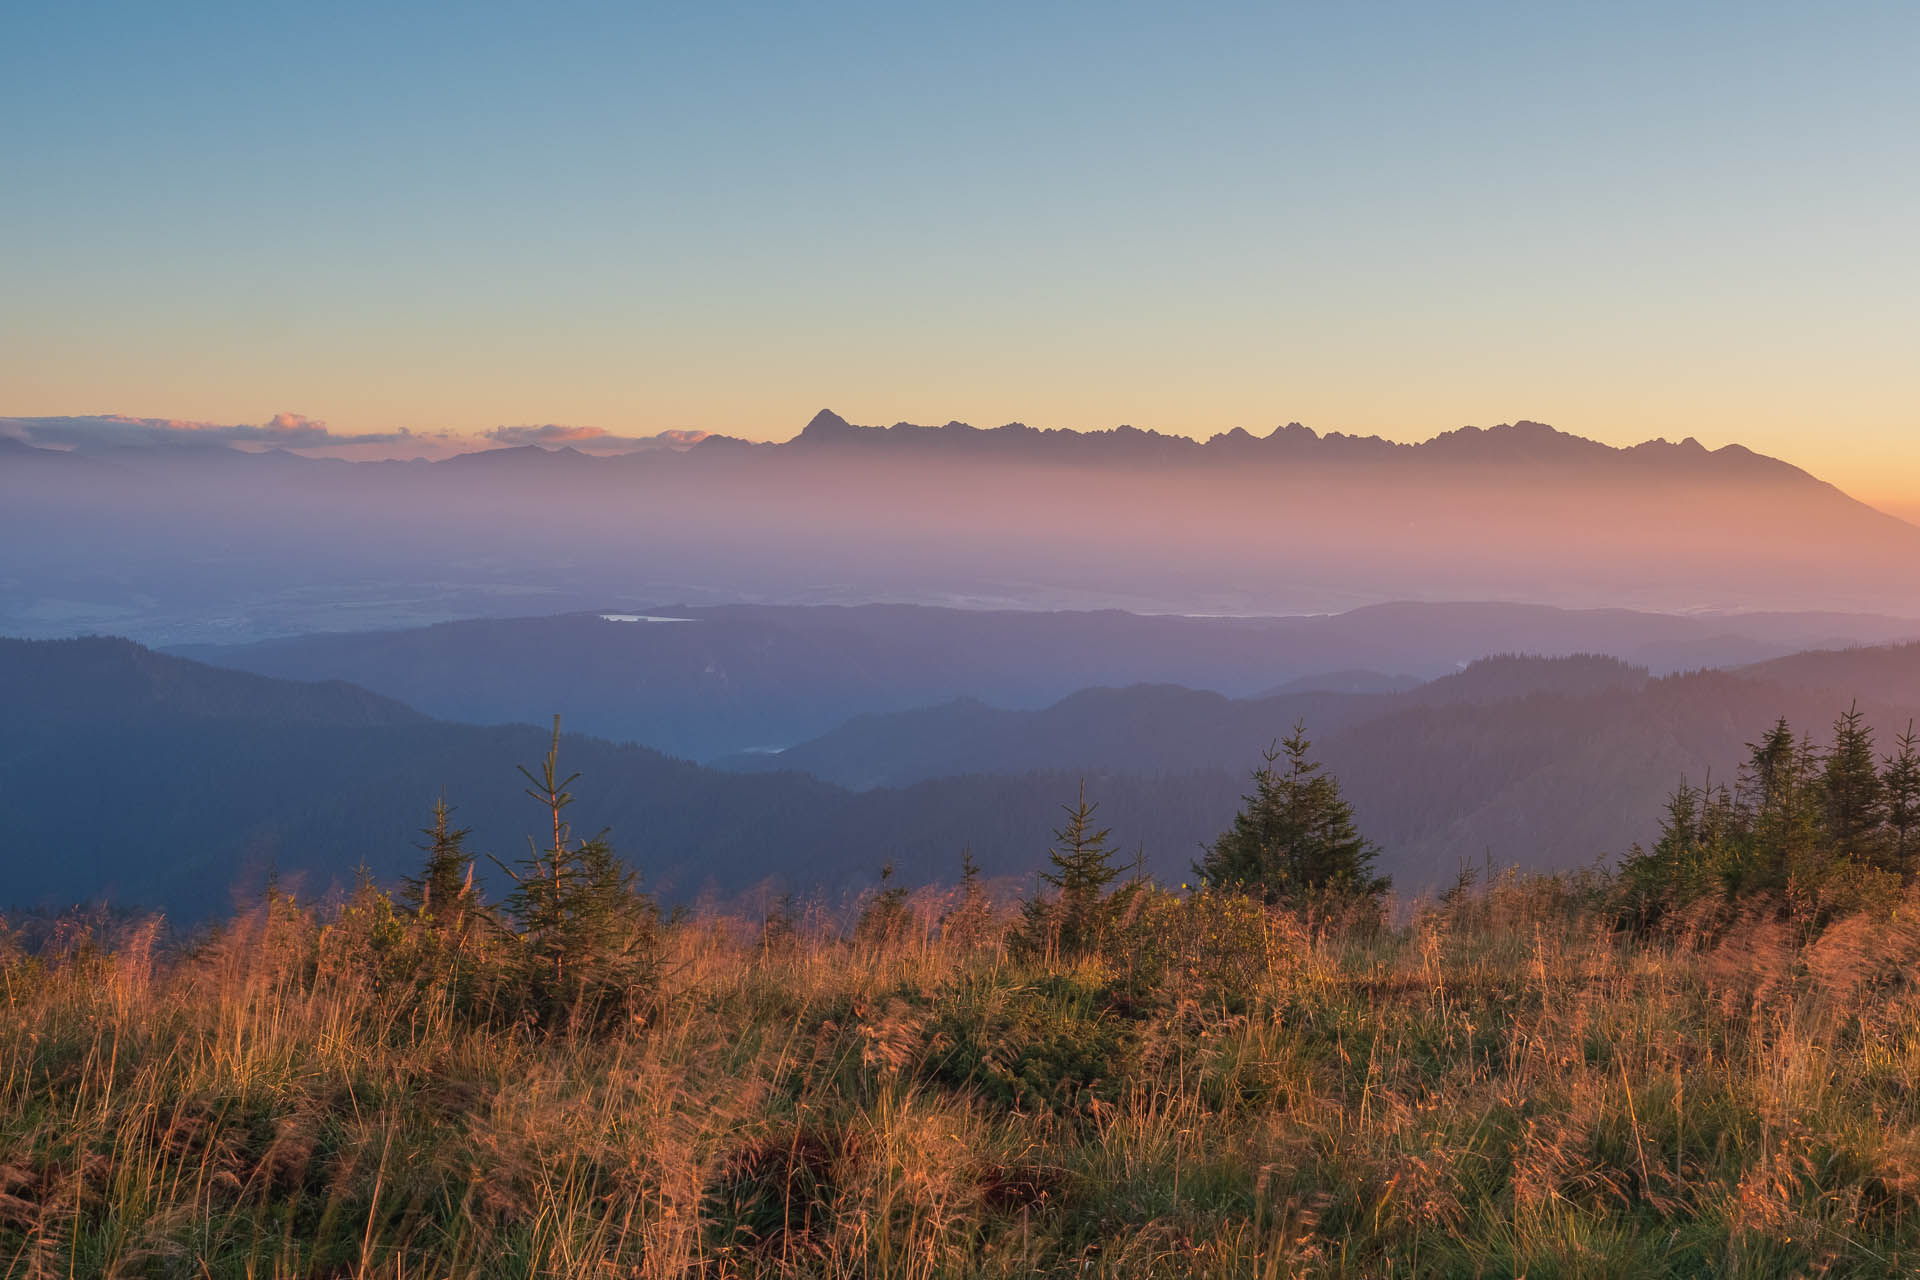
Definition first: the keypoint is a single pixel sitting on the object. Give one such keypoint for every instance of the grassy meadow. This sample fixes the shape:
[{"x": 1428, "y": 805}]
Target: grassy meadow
[{"x": 1499, "y": 1084}]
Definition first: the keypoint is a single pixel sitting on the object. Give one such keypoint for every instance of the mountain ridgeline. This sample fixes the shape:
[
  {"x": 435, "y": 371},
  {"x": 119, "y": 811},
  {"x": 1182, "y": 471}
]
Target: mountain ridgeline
[
  {"x": 165, "y": 782},
  {"x": 1289, "y": 522},
  {"x": 710, "y": 682}
]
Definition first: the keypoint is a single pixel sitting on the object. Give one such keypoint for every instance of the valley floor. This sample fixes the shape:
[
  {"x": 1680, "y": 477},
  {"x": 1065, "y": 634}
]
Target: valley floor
[{"x": 1501, "y": 1086}]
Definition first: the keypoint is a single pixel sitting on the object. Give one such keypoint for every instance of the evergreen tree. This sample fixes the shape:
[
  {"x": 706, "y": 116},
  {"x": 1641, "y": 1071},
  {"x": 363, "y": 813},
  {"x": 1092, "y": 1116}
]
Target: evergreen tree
[
  {"x": 1294, "y": 839},
  {"x": 1809, "y": 834},
  {"x": 1855, "y": 801},
  {"x": 1697, "y": 837},
  {"x": 588, "y": 934},
  {"x": 967, "y": 922},
  {"x": 1768, "y": 780},
  {"x": 779, "y": 925},
  {"x": 442, "y": 894},
  {"x": 884, "y": 917},
  {"x": 1073, "y": 920},
  {"x": 970, "y": 890},
  {"x": 1900, "y": 791},
  {"x": 1781, "y": 838}
]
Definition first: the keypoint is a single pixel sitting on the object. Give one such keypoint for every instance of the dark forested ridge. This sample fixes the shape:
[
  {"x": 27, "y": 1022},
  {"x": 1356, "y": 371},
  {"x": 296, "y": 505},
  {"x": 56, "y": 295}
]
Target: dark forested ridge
[
  {"x": 97, "y": 678},
  {"x": 1541, "y": 762},
  {"x": 160, "y": 781},
  {"x": 749, "y": 677},
  {"x": 1891, "y": 670},
  {"x": 149, "y": 780},
  {"x": 1147, "y": 729}
]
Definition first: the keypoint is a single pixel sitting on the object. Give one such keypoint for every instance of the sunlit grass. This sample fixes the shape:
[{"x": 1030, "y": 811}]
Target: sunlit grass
[{"x": 1501, "y": 1086}]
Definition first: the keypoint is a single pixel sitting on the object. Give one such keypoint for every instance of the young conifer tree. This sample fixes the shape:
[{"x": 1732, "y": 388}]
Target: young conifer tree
[
  {"x": 1073, "y": 921},
  {"x": 779, "y": 925},
  {"x": 967, "y": 923},
  {"x": 1770, "y": 778},
  {"x": 1698, "y": 837},
  {"x": 587, "y": 933},
  {"x": 1783, "y": 840},
  {"x": 1855, "y": 799},
  {"x": 442, "y": 895},
  {"x": 1294, "y": 839},
  {"x": 1900, "y": 788},
  {"x": 884, "y": 918}
]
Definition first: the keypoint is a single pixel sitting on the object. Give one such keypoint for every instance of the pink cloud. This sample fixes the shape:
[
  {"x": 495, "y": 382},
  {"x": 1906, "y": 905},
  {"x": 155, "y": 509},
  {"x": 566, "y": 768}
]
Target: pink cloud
[{"x": 592, "y": 439}]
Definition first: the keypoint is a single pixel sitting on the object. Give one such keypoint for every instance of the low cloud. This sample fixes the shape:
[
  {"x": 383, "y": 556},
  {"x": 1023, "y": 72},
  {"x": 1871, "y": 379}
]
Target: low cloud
[
  {"x": 547, "y": 435},
  {"x": 295, "y": 431},
  {"x": 111, "y": 430},
  {"x": 591, "y": 439}
]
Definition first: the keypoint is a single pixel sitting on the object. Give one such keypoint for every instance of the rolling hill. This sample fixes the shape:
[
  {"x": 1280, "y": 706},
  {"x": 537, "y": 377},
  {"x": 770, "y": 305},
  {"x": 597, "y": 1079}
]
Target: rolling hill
[
  {"x": 736, "y": 678},
  {"x": 1543, "y": 763},
  {"x": 150, "y": 780},
  {"x": 147, "y": 780}
]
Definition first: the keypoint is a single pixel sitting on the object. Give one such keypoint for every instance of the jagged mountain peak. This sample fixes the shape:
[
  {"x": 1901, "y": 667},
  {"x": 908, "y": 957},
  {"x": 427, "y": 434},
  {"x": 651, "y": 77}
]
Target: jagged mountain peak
[
  {"x": 1523, "y": 440},
  {"x": 827, "y": 425}
]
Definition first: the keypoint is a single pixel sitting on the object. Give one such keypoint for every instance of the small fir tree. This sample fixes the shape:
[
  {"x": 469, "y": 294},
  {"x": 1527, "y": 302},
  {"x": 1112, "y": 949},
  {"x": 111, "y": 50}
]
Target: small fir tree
[
  {"x": 1073, "y": 920},
  {"x": 1808, "y": 835},
  {"x": 1855, "y": 800},
  {"x": 967, "y": 923},
  {"x": 779, "y": 925},
  {"x": 1770, "y": 777},
  {"x": 1689, "y": 859},
  {"x": 1900, "y": 792},
  {"x": 1294, "y": 840},
  {"x": 442, "y": 895},
  {"x": 588, "y": 935},
  {"x": 1783, "y": 841},
  {"x": 884, "y": 917}
]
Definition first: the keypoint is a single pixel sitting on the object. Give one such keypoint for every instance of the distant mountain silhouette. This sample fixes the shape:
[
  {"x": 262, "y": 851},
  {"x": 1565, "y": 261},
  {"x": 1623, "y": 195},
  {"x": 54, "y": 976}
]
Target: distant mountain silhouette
[
  {"x": 149, "y": 780},
  {"x": 1347, "y": 681},
  {"x": 748, "y": 677},
  {"x": 1155, "y": 729},
  {"x": 181, "y": 543},
  {"x": 1540, "y": 762},
  {"x": 1530, "y": 443},
  {"x": 77, "y": 682},
  {"x": 1518, "y": 675},
  {"x": 1889, "y": 671},
  {"x": 1144, "y": 730}
]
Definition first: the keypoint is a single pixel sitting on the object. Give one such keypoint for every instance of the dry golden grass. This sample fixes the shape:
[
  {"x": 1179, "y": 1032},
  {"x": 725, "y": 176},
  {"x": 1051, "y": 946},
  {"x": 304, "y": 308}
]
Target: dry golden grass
[{"x": 1499, "y": 1086}]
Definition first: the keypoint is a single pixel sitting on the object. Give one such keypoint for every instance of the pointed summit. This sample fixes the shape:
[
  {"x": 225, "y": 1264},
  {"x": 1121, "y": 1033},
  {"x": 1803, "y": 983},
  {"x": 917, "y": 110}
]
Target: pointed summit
[{"x": 827, "y": 425}]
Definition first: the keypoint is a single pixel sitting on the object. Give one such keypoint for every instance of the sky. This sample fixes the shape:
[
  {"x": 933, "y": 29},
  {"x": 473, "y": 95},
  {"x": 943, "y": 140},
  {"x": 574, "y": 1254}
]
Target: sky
[{"x": 1627, "y": 220}]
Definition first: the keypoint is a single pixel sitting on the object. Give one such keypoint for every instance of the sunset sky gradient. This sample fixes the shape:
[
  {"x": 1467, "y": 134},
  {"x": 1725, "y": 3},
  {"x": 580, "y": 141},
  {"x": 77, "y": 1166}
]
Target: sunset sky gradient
[{"x": 1629, "y": 220}]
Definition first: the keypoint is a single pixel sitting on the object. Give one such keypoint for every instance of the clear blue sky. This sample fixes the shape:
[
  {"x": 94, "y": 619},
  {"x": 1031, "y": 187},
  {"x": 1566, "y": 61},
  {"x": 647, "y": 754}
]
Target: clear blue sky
[{"x": 1628, "y": 220}]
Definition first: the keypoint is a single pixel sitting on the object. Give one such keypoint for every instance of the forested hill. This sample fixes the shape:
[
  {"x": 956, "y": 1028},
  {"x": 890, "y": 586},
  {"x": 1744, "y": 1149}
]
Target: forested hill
[
  {"x": 150, "y": 780},
  {"x": 96, "y": 678},
  {"x": 1153, "y": 729},
  {"x": 1544, "y": 763},
  {"x": 723, "y": 679},
  {"x": 1890, "y": 671}
]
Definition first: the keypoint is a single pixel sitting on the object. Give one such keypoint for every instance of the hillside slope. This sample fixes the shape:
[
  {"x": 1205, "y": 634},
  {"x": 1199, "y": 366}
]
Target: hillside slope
[
  {"x": 145, "y": 779},
  {"x": 750, "y": 677},
  {"x": 1543, "y": 763}
]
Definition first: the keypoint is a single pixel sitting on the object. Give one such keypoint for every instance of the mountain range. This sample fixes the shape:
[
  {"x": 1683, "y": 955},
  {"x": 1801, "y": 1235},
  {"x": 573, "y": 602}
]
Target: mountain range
[
  {"x": 177, "y": 544},
  {"x": 717, "y": 681},
  {"x": 150, "y": 780}
]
